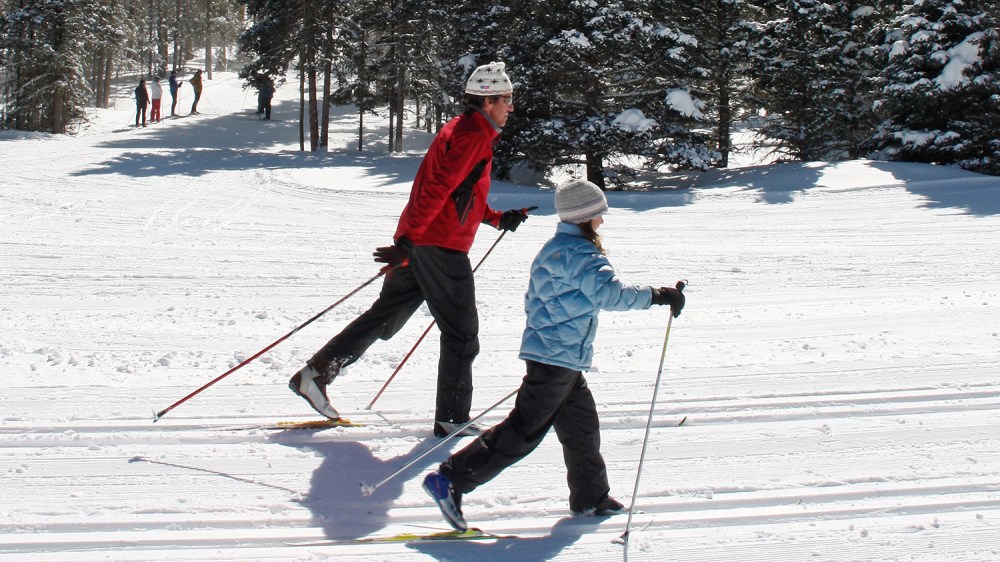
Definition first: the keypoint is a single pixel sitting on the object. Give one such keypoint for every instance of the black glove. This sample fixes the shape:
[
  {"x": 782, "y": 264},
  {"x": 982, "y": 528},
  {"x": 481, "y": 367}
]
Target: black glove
[
  {"x": 670, "y": 296},
  {"x": 395, "y": 254},
  {"x": 512, "y": 219}
]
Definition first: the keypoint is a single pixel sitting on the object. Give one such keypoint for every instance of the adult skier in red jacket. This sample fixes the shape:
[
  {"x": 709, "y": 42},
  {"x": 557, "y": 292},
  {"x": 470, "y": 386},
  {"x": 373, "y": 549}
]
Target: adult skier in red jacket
[{"x": 431, "y": 244}]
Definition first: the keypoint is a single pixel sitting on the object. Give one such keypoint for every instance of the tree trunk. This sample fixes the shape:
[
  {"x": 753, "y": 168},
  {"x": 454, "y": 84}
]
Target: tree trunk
[
  {"x": 150, "y": 30},
  {"x": 108, "y": 73},
  {"x": 208, "y": 39},
  {"x": 324, "y": 138},
  {"x": 361, "y": 130},
  {"x": 723, "y": 132},
  {"x": 362, "y": 83},
  {"x": 595, "y": 170},
  {"x": 392, "y": 126},
  {"x": 58, "y": 126},
  {"x": 302, "y": 109},
  {"x": 313, "y": 109},
  {"x": 97, "y": 79},
  {"x": 400, "y": 104},
  {"x": 177, "y": 45},
  {"x": 162, "y": 41},
  {"x": 595, "y": 161}
]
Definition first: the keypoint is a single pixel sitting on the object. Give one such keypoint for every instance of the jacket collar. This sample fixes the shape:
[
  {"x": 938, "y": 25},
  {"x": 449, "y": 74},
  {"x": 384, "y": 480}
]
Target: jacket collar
[
  {"x": 486, "y": 123},
  {"x": 569, "y": 228}
]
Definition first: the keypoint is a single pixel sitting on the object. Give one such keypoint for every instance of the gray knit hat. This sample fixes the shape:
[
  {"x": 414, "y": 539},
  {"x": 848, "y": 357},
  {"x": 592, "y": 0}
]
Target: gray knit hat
[{"x": 579, "y": 201}]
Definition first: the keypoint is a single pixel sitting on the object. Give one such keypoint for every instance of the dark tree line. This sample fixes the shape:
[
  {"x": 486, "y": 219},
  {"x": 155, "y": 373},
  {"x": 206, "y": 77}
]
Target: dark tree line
[
  {"x": 616, "y": 88},
  {"x": 620, "y": 86},
  {"x": 58, "y": 57}
]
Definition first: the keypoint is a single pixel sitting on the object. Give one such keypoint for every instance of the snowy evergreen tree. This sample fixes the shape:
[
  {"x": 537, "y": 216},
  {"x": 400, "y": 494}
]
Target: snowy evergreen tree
[
  {"x": 283, "y": 32},
  {"x": 601, "y": 85},
  {"x": 812, "y": 70},
  {"x": 474, "y": 36},
  {"x": 43, "y": 44},
  {"x": 224, "y": 23},
  {"x": 379, "y": 53},
  {"x": 60, "y": 56},
  {"x": 724, "y": 32},
  {"x": 111, "y": 29},
  {"x": 940, "y": 94},
  {"x": 355, "y": 59},
  {"x": 269, "y": 41}
]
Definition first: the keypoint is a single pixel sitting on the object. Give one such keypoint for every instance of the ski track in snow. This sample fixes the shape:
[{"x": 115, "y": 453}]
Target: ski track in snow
[{"x": 837, "y": 362}]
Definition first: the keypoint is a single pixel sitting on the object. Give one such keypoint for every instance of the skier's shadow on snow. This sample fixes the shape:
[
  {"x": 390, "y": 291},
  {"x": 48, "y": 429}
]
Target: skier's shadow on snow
[
  {"x": 564, "y": 533},
  {"x": 334, "y": 495}
]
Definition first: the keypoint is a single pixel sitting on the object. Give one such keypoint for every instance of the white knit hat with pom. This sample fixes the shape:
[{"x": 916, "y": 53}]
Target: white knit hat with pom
[
  {"x": 489, "y": 80},
  {"x": 579, "y": 201}
]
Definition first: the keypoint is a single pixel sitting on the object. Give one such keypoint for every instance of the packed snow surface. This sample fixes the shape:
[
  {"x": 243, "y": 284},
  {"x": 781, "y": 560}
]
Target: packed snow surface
[{"x": 838, "y": 361}]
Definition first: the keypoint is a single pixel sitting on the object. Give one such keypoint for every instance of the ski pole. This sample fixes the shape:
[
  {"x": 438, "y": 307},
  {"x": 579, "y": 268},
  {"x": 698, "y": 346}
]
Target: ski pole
[
  {"x": 161, "y": 413},
  {"x": 649, "y": 423},
  {"x": 431, "y": 325},
  {"x": 369, "y": 489}
]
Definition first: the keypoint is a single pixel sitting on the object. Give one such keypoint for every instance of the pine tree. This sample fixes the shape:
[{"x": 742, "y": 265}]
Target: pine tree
[
  {"x": 723, "y": 29},
  {"x": 109, "y": 24},
  {"x": 355, "y": 59},
  {"x": 59, "y": 56},
  {"x": 812, "y": 74},
  {"x": 43, "y": 45},
  {"x": 598, "y": 87},
  {"x": 940, "y": 94}
]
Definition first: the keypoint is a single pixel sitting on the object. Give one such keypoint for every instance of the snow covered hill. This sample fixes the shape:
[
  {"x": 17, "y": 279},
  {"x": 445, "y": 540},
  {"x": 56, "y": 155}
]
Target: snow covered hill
[{"x": 838, "y": 361}]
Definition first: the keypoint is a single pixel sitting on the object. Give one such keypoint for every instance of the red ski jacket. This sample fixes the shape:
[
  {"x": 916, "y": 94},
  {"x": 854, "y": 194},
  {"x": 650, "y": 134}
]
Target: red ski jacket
[{"x": 448, "y": 198}]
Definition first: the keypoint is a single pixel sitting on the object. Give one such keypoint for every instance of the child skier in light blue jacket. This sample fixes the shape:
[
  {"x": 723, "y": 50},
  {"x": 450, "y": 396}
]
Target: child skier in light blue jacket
[{"x": 571, "y": 281}]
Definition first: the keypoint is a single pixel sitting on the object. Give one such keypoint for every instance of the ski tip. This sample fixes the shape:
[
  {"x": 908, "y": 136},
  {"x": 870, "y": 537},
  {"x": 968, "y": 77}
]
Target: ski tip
[{"x": 680, "y": 423}]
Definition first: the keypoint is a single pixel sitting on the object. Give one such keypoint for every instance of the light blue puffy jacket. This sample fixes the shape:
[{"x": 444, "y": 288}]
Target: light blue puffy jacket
[{"x": 570, "y": 283}]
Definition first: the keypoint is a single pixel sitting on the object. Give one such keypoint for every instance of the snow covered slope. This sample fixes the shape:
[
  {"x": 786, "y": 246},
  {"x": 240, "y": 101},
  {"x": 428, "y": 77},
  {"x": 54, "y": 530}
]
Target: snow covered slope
[{"x": 838, "y": 361}]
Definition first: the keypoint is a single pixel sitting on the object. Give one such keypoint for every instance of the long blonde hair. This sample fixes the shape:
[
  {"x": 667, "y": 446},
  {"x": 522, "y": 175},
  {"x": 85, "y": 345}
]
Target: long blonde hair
[{"x": 590, "y": 234}]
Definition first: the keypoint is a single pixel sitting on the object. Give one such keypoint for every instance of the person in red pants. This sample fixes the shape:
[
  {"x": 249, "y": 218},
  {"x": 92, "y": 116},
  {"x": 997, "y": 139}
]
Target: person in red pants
[{"x": 155, "y": 94}]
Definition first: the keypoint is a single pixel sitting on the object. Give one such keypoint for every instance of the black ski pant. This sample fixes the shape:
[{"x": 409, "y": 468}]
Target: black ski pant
[
  {"x": 173, "y": 103},
  {"x": 549, "y": 396},
  {"x": 442, "y": 278}
]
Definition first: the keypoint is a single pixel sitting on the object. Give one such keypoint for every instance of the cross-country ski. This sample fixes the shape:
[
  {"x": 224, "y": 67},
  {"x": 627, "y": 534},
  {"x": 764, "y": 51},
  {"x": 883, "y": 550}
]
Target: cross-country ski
[{"x": 471, "y": 534}]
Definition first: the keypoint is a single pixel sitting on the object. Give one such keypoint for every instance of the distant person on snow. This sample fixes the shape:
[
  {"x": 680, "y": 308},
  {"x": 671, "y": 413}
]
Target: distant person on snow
[
  {"x": 174, "y": 85},
  {"x": 156, "y": 93},
  {"x": 264, "y": 95},
  {"x": 430, "y": 258},
  {"x": 141, "y": 101},
  {"x": 571, "y": 281},
  {"x": 196, "y": 86}
]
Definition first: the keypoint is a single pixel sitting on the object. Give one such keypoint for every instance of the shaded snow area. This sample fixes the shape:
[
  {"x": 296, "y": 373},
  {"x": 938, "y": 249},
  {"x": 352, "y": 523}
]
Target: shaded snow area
[{"x": 837, "y": 361}]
